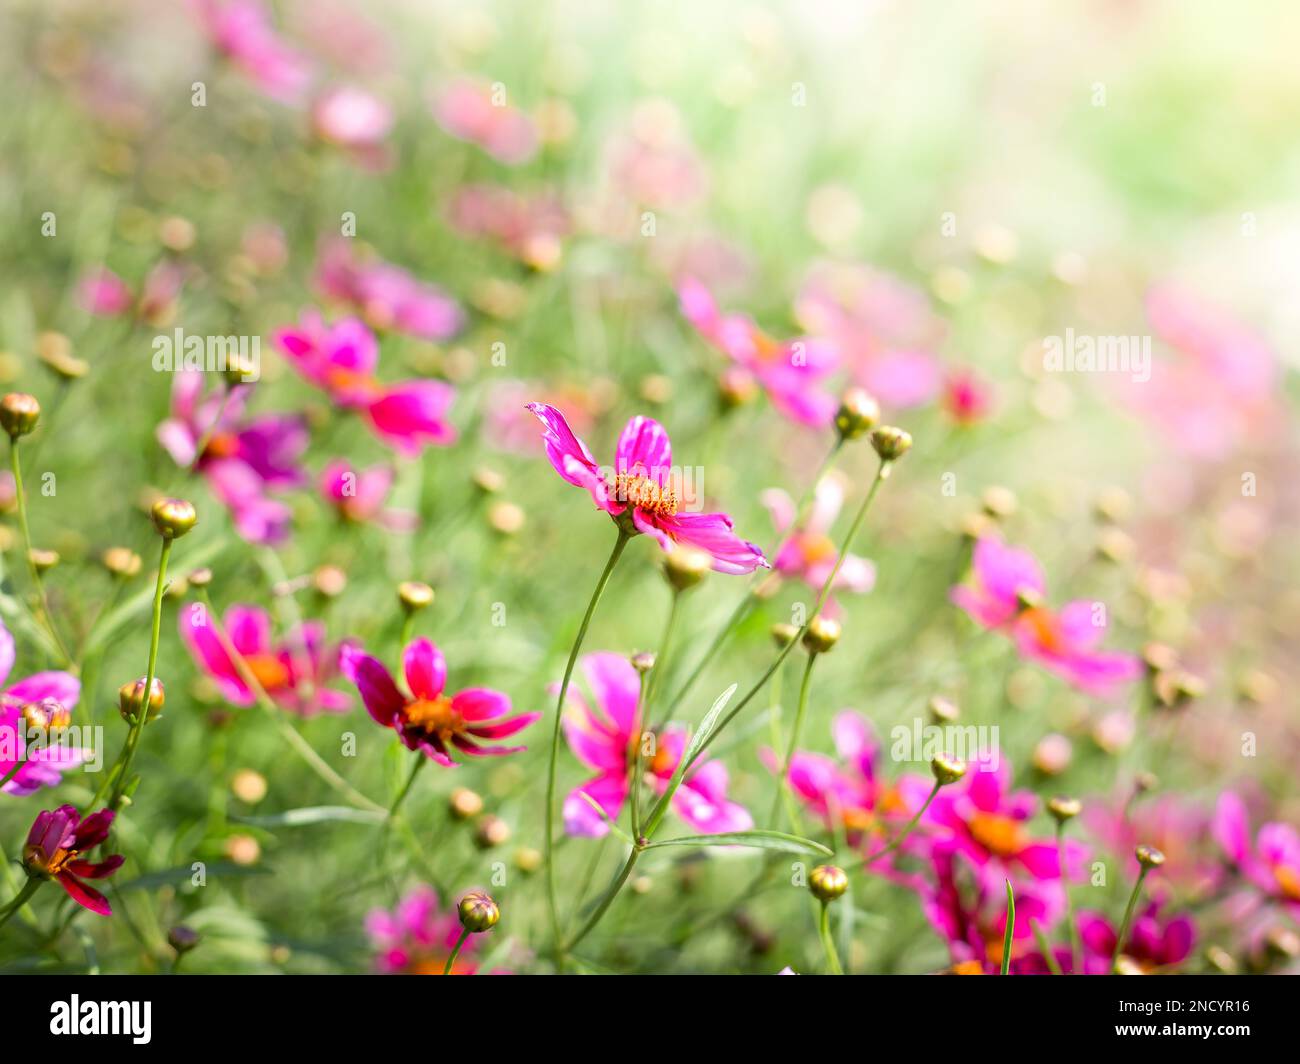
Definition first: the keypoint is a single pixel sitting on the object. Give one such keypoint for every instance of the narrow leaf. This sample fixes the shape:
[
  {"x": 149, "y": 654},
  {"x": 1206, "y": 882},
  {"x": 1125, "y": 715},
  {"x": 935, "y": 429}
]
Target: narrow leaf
[
  {"x": 761, "y": 840},
  {"x": 605, "y": 817},
  {"x": 317, "y": 814},
  {"x": 1011, "y": 928}
]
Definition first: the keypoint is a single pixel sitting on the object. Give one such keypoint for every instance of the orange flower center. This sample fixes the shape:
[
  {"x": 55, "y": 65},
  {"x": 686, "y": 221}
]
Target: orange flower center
[
  {"x": 222, "y": 445},
  {"x": 968, "y": 967},
  {"x": 34, "y": 857},
  {"x": 1046, "y": 630},
  {"x": 859, "y": 820},
  {"x": 434, "y": 716},
  {"x": 645, "y": 494},
  {"x": 997, "y": 834},
  {"x": 816, "y": 548},
  {"x": 350, "y": 380},
  {"x": 268, "y": 670},
  {"x": 1289, "y": 880}
]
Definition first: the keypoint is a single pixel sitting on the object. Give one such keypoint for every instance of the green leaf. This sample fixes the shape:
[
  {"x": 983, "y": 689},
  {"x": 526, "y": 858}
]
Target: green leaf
[
  {"x": 693, "y": 747},
  {"x": 605, "y": 817},
  {"x": 316, "y": 814},
  {"x": 761, "y": 840},
  {"x": 1011, "y": 927}
]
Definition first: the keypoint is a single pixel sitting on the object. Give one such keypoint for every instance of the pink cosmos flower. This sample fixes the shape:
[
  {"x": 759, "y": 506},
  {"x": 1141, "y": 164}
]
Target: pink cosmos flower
[
  {"x": 882, "y": 329},
  {"x": 792, "y": 373},
  {"x": 602, "y": 734},
  {"x": 470, "y": 110},
  {"x": 243, "y": 458},
  {"x": 54, "y": 849},
  {"x": 1007, "y": 585},
  {"x": 641, "y": 490},
  {"x": 241, "y": 30},
  {"x": 42, "y": 701},
  {"x": 104, "y": 293},
  {"x": 428, "y": 720},
  {"x": 359, "y": 495},
  {"x": 342, "y": 358},
  {"x": 852, "y": 793},
  {"x": 1154, "y": 942},
  {"x": 417, "y": 937},
  {"x": 808, "y": 553},
  {"x": 356, "y": 121},
  {"x": 1177, "y": 827},
  {"x": 531, "y": 228},
  {"x": 386, "y": 296},
  {"x": 293, "y": 671},
  {"x": 653, "y": 163},
  {"x": 1272, "y": 865}
]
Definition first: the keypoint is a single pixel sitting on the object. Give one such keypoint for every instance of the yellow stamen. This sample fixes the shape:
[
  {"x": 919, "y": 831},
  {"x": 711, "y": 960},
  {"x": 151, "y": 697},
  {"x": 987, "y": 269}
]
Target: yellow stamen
[{"x": 645, "y": 494}]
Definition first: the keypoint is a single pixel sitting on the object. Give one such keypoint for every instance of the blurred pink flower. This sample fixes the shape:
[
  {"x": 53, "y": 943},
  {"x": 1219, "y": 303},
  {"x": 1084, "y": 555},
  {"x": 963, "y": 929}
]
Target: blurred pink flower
[
  {"x": 241, "y": 30},
  {"x": 1272, "y": 865},
  {"x": 386, "y": 296},
  {"x": 475, "y": 111},
  {"x": 1006, "y": 593},
  {"x": 807, "y": 552},
  {"x": 49, "y": 694},
  {"x": 652, "y": 163},
  {"x": 55, "y": 844},
  {"x": 417, "y": 937},
  {"x": 1177, "y": 827},
  {"x": 243, "y": 458},
  {"x": 1154, "y": 942},
  {"x": 293, "y": 671},
  {"x": 531, "y": 228},
  {"x": 644, "y": 492},
  {"x": 104, "y": 293},
  {"x": 355, "y": 120},
  {"x": 792, "y": 373},
  {"x": 967, "y": 398},
  {"x": 429, "y": 720},
  {"x": 602, "y": 734},
  {"x": 359, "y": 495}
]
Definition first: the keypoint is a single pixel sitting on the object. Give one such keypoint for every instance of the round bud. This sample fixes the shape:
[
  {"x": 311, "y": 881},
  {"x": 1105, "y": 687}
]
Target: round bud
[
  {"x": 173, "y": 517},
  {"x": 488, "y": 481},
  {"x": 414, "y": 596},
  {"x": 47, "y": 715},
  {"x": 182, "y": 939},
  {"x": 248, "y": 786},
  {"x": 1149, "y": 857},
  {"x": 240, "y": 369},
  {"x": 478, "y": 912},
  {"x": 200, "y": 578},
  {"x": 643, "y": 662},
  {"x": 858, "y": 414},
  {"x": 130, "y": 699},
  {"x": 43, "y": 560},
  {"x": 505, "y": 517},
  {"x": 19, "y": 413},
  {"x": 783, "y": 634},
  {"x": 1052, "y": 754},
  {"x": 943, "y": 710},
  {"x": 121, "y": 562},
  {"x": 827, "y": 882},
  {"x": 55, "y": 350},
  {"x": 528, "y": 860},
  {"x": 822, "y": 635},
  {"x": 491, "y": 831},
  {"x": 685, "y": 568},
  {"x": 998, "y": 501},
  {"x": 464, "y": 803},
  {"x": 1063, "y": 808},
  {"x": 329, "y": 581},
  {"x": 1221, "y": 960},
  {"x": 947, "y": 769},
  {"x": 890, "y": 442},
  {"x": 1159, "y": 657}
]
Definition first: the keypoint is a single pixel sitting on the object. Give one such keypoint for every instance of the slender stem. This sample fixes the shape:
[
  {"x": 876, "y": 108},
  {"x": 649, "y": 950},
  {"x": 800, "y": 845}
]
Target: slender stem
[
  {"x": 634, "y": 757},
  {"x": 898, "y": 839},
  {"x": 606, "y": 899},
  {"x": 882, "y": 474},
  {"x": 300, "y": 745},
  {"x": 783, "y": 783},
  {"x": 420, "y": 762},
  {"x": 455, "y": 950},
  {"x": 211, "y": 430},
  {"x": 408, "y": 628},
  {"x": 665, "y": 643},
  {"x": 1045, "y": 948},
  {"x": 1072, "y": 926},
  {"x": 43, "y": 613},
  {"x": 828, "y": 941},
  {"x": 1128, "y": 918},
  {"x": 29, "y": 888},
  {"x": 549, "y": 850}
]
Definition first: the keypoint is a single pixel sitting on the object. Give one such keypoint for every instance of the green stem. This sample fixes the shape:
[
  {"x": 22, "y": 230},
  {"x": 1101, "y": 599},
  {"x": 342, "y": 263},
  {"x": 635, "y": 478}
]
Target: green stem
[
  {"x": 47, "y": 621},
  {"x": 606, "y": 899},
  {"x": 211, "y": 430},
  {"x": 652, "y": 687},
  {"x": 783, "y": 783},
  {"x": 898, "y": 839},
  {"x": 1128, "y": 918},
  {"x": 420, "y": 762},
  {"x": 1072, "y": 926},
  {"x": 638, "y": 744},
  {"x": 455, "y": 950},
  {"x": 1045, "y": 948},
  {"x": 552, "y": 765},
  {"x": 29, "y": 888},
  {"x": 882, "y": 474},
  {"x": 828, "y": 941}
]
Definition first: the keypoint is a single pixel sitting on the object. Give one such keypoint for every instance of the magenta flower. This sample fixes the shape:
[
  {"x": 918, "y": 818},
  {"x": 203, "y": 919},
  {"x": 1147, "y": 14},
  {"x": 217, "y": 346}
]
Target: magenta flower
[
  {"x": 967, "y": 398},
  {"x": 643, "y": 491},
  {"x": 54, "y": 849},
  {"x": 359, "y": 495},
  {"x": 602, "y": 734},
  {"x": 852, "y": 793},
  {"x": 470, "y": 111},
  {"x": 241, "y": 30},
  {"x": 43, "y": 701},
  {"x": 386, "y": 296},
  {"x": 417, "y": 937},
  {"x": 243, "y": 458},
  {"x": 1178, "y": 828},
  {"x": 807, "y": 552},
  {"x": 1007, "y": 586},
  {"x": 294, "y": 671},
  {"x": 1154, "y": 942},
  {"x": 104, "y": 293},
  {"x": 428, "y": 720},
  {"x": 793, "y": 373},
  {"x": 341, "y": 360},
  {"x": 1272, "y": 865}
]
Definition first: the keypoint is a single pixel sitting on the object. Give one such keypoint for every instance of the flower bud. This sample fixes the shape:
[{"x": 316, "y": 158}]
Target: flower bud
[
  {"x": 858, "y": 414},
  {"x": 1052, "y": 754},
  {"x": 1221, "y": 960},
  {"x": 488, "y": 481},
  {"x": 240, "y": 369},
  {"x": 130, "y": 698},
  {"x": 891, "y": 443},
  {"x": 122, "y": 562},
  {"x": 414, "y": 596},
  {"x": 491, "y": 831},
  {"x": 1149, "y": 857},
  {"x": 478, "y": 912},
  {"x": 55, "y": 350},
  {"x": 783, "y": 634},
  {"x": 199, "y": 578},
  {"x": 248, "y": 786},
  {"x": 685, "y": 568},
  {"x": 822, "y": 635},
  {"x": 1063, "y": 808},
  {"x": 1177, "y": 687},
  {"x": 827, "y": 882},
  {"x": 998, "y": 501},
  {"x": 528, "y": 860},
  {"x": 947, "y": 769},
  {"x": 173, "y": 517},
  {"x": 329, "y": 580},
  {"x": 183, "y": 939},
  {"x": 464, "y": 803},
  {"x": 1159, "y": 657},
  {"x": 47, "y": 715},
  {"x": 19, "y": 413},
  {"x": 943, "y": 710},
  {"x": 505, "y": 517},
  {"x": 643, "y": 662},
  {"x": 43, "y": 560}
]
